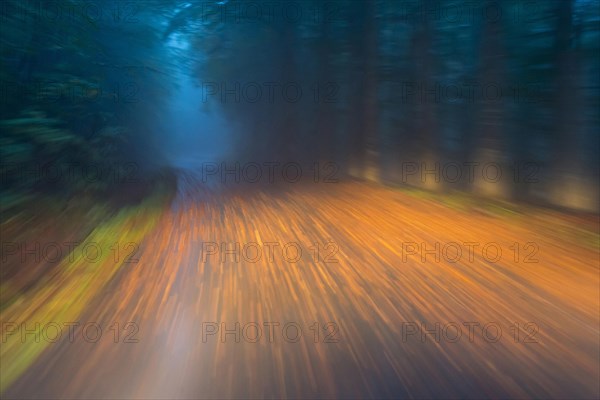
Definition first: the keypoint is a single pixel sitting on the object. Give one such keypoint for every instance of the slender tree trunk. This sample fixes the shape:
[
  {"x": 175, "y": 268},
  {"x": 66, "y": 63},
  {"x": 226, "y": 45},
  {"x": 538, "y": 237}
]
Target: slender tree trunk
[
  {"x": 325, "y": 129},
  {"x": 571, "y": 184},
  {"x": 371, "y": 163},
  {"x": 492, "y": 177},
  {"x": 421, "y": 98}
]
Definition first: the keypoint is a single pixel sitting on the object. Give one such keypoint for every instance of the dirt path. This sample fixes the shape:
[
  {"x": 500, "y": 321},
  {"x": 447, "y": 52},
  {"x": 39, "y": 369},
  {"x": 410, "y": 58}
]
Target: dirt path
[{"x": 368, "y": 282}]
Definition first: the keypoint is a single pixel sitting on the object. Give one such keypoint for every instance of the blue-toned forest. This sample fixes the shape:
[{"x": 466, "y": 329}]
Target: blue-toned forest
[{"x": 299, "y": 199}]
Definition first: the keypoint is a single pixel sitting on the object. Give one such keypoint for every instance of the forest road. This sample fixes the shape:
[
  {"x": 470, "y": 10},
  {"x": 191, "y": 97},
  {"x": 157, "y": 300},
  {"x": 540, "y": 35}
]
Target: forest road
[{"x": 332, "y": 291}]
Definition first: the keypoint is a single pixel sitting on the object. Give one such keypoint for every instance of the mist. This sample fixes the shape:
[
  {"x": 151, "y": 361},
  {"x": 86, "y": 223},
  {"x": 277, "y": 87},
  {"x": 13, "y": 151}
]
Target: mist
[{"x": 238, "y": 199}]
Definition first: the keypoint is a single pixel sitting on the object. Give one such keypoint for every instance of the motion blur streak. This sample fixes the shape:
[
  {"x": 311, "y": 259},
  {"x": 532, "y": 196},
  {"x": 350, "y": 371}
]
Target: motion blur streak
[
  {"x": 299, "y": 199},
  {"x": 368, "y": 294}
]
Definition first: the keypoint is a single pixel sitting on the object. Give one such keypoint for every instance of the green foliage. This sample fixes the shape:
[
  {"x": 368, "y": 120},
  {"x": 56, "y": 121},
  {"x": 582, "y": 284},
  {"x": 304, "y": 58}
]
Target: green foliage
[{"x": 70, "y": 89}]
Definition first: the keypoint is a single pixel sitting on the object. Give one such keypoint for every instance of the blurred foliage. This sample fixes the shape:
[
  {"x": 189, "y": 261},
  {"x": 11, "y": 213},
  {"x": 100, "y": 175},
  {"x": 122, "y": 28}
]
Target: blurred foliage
[
  {"x": 76, "y": 280},
  {"x": 77, "y": 82},
  {"x": 87, "y": 85},
  {"x": 543, "y": 56}
]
